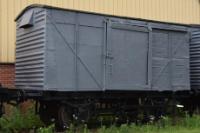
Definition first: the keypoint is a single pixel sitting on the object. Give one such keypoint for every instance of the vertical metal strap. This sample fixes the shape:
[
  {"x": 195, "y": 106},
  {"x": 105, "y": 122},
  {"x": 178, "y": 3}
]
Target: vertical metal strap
[
  {"x": 108, "y": 52},
  {"x": 104, "y": 55},
  {"x": 170, "y": 56},
  {"x": 109, "y": 49},
  {"x": 149, "y": 58},
  {"x": 76, "y": 38}
]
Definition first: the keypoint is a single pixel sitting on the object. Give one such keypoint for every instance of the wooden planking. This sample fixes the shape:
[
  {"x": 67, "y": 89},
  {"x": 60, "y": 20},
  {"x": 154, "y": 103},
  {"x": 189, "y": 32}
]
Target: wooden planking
[{"x": 179, "y": 11}]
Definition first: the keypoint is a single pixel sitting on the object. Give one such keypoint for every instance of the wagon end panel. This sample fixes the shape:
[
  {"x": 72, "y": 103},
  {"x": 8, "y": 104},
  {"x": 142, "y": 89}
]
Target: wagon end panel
[
  {"x": 30, "y": 49},
  {"x": 195, "y": 59}
]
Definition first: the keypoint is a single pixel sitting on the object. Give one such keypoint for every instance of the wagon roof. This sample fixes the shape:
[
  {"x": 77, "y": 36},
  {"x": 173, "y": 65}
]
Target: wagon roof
[{"x": 89, "y": 12}]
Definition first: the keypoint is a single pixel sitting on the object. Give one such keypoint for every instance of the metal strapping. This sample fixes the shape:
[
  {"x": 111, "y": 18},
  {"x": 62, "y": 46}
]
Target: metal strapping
[
  {"x": 77, "y": 56},
  {"x": 168, "y": 62}
]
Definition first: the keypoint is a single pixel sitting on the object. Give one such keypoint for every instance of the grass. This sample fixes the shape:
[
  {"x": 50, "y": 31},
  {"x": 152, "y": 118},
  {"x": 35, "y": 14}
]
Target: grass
[
  {"x": 18, "y": 122},
  {"x": 183, "y": 125},
  {"x": 147, "y": 129}
]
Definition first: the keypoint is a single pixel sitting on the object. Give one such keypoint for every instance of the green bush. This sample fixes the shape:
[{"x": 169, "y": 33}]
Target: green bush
[{"x": 18, "y": 122}]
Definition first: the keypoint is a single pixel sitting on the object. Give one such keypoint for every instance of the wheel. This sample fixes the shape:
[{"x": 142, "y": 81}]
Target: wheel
[
  {"x": 47, "y": 112},
  {"x": 44, "y": 114},
  {"x": 65, "y": 118}
]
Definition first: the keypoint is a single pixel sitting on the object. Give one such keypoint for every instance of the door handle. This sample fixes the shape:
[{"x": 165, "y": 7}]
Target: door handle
[{"x": 109, "y": 56}]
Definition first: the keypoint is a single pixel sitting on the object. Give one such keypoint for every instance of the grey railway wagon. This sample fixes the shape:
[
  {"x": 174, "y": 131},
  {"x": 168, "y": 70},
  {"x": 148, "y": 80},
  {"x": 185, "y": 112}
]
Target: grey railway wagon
[
  {"x": 66, "y": 50},
  {"x": 195, "y": 59}
]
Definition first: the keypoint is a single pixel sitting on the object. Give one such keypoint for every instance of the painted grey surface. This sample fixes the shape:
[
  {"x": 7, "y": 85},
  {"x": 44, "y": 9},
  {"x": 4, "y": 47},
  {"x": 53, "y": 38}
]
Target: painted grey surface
[
  {"x": 30, "y": 49},
  {"x": 127, "y": 49},
  {"x": 170, "y": 60},
  {"x": 91, "y": 52},
  {"x": 195, "y": 59}
]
